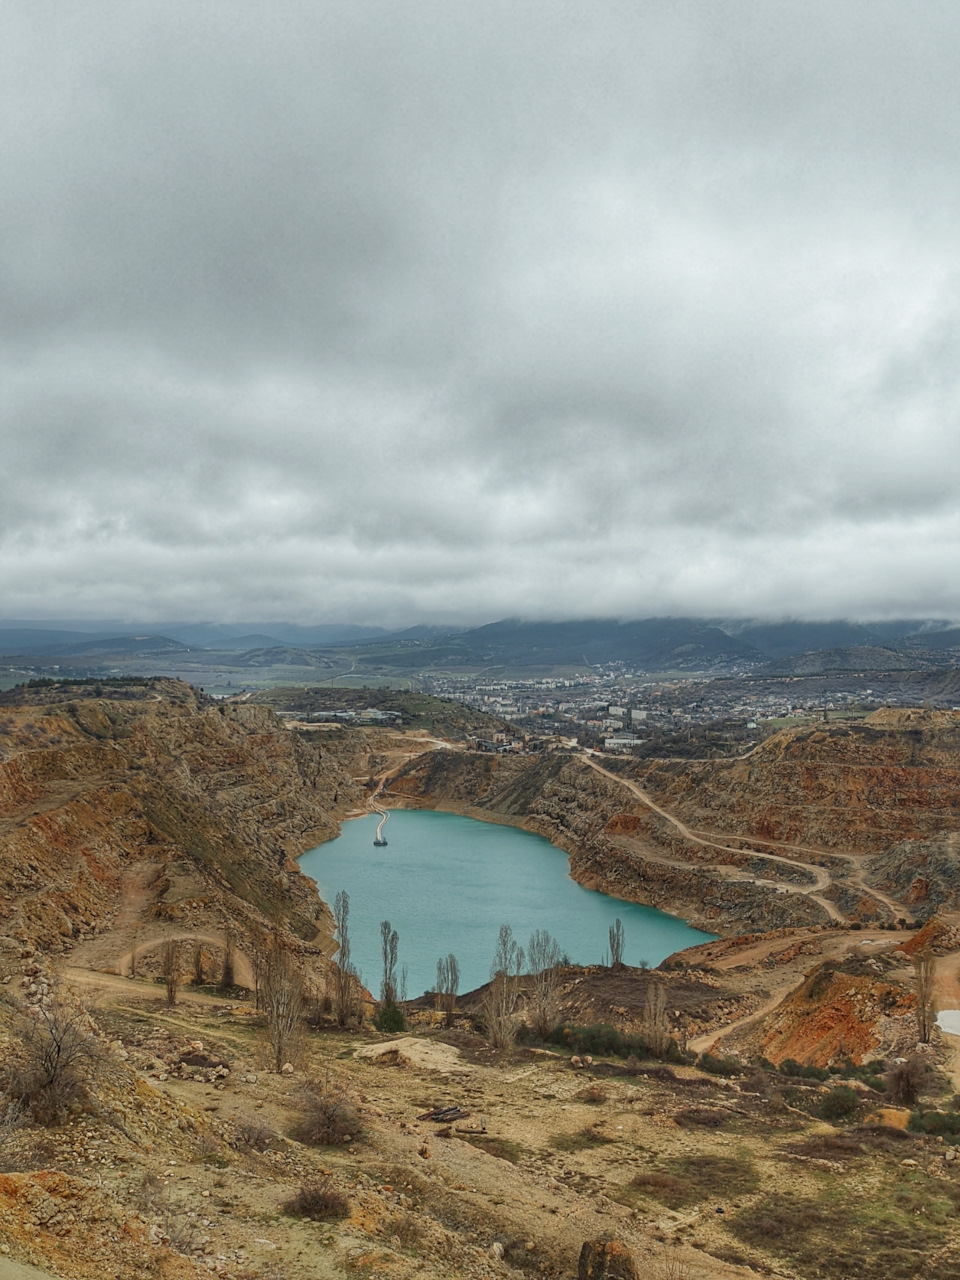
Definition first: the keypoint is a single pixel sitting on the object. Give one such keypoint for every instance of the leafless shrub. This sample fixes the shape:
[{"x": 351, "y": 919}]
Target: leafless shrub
[
  {"x": 183, "y": 1234},
  {"x": 150, "y": 1193},
  {"x": 319, "y": 1200},
  {"x": 327, "y": 1116},
  {"x": 592, "y": 1094},
  {"x": 56, "y": 1061},
  {"x": 253, "y": 1135},
  {"x": 670, "y": 1262},
  {"x": 707, "y": 1117},
  {"x": 406, "y": 1229},
  {"x": 13, "y": 1116}
]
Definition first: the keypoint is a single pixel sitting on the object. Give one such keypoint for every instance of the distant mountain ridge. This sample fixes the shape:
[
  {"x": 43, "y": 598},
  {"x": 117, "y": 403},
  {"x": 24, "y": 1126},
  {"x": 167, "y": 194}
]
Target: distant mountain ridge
[{"x": 681, "y": 644}]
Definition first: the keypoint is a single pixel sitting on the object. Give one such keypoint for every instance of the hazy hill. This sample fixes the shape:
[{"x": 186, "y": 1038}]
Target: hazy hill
[
  {"x": 785, "y": 639},
  {"x": 87, "y": 648},
  {"x": 651, "y": 644},
  {"x": 861, "y": 657}
]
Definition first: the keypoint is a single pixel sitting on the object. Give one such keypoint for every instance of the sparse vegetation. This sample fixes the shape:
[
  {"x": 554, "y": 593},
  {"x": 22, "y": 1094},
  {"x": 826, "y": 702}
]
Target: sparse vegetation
[
  {"x": 55, "y": 1063},
  {"x": 840, "y": 1103},
  {"x": 904, "y": 1080},
  {"x": 600, "y": 1040},
  {"x": 582, "y": 1140},
  {"x": 283, "y": 1004},
  {"x": 319, "y": 1200},
  {"x": 687, "y": 1180},
  {"x": 502, "y": 997},
  {"x": 327, "y": 1116},
  {"x": 720, "y": 1066}
]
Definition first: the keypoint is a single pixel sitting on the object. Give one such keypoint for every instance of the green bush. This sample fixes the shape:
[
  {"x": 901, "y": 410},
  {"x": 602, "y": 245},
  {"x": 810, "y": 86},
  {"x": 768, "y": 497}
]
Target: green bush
[
  {"x": 790, "y": 1067},
  {"x": 839, "y": 1103},
  {"x": 719, "y": 1066},
  {"x": 601, "y": 1040},
  {"x": 941, "y": 1123},
  {"x": 389, "y": 1019}
]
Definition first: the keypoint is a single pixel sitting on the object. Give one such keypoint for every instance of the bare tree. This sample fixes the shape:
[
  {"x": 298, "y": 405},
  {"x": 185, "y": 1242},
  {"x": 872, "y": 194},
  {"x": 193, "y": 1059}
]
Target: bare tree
[
  {"x": 55, "y": 1059},
  {"x": 448, "y": 983},
  {"x": 228, "y": 977},
  {"x": 258, "y": 948},
  {"x": 499, "y": 1007},
  {"x": 924, "y": 968},
  {"x": 543, "y": 961},
  {"x": 389, "y": 940},
  {"x": 170, "y": 970},
  {"x": 282, "y": 1000},
  {"x": 403, "y": 984},
  {"x": 344, "y": 996},
  {"x": 656, "y": 1028},
  {"x": 616, "y": 945}
]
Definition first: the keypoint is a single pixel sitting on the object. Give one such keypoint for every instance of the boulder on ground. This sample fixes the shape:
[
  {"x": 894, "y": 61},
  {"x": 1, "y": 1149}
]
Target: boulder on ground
[{"x": 606, "y": 1260}]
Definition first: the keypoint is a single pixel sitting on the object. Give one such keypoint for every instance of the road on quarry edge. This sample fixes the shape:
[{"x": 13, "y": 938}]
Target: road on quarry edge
[{"x": 822, "y": 878}]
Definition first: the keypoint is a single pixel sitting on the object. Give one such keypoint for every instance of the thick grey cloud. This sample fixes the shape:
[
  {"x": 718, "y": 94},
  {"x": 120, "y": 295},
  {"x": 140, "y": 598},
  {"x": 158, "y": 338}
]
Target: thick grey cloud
[{"x": 444, "y": 312}]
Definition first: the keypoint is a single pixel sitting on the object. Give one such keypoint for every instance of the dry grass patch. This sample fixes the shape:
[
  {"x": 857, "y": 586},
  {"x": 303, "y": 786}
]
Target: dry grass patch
[
  {"x": 502, "y": 1148},
  {"x": 688, "y": 1180},
  {"x": 902, "y": 1230},
  {"x": 593, "y": 1095},
  {"x": 582, "y": 1140}
]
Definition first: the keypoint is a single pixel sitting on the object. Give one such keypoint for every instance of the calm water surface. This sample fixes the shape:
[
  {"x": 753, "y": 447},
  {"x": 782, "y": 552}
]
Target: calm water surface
[{"x": 447, "y": 883}]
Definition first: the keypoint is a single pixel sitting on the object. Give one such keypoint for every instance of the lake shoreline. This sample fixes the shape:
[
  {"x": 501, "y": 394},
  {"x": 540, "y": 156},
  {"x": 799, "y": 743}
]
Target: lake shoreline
[
  {"x": 449, "y": 886},
  {"x": 581, "y": 870}
]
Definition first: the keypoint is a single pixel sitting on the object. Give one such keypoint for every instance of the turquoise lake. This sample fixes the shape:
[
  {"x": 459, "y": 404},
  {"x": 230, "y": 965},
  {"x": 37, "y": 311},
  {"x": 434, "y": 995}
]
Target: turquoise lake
[{"x": 447, "y": 883}]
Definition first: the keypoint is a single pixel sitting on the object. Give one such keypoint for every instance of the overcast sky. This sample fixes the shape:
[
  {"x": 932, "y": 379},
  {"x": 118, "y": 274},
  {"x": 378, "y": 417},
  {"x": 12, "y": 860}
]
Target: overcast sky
[{"x": 399, "y": 312}]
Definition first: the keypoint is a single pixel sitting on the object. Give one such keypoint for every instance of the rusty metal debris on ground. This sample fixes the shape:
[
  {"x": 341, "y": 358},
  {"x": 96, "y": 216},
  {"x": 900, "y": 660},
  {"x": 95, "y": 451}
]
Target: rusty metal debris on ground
[{"x": 444, "y": 1115}]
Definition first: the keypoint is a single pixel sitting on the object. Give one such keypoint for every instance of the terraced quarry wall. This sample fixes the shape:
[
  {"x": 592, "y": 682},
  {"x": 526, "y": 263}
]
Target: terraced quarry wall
[
  {"x": 840, "y": 822},
  {"x": 155, "y": 805}
]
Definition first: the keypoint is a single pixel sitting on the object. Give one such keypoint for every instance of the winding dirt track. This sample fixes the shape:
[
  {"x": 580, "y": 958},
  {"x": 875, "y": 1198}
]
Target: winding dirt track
[{"x": 822, "y": 878}]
